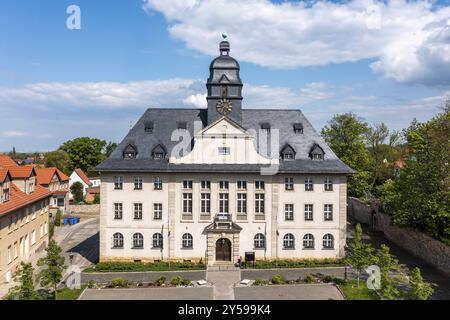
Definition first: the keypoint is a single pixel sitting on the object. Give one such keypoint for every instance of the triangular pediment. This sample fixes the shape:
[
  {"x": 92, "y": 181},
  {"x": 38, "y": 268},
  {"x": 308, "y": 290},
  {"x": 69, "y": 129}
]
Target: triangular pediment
[
  {"x": 224, "y": 126},
  {"x": 224, "y": 79}
]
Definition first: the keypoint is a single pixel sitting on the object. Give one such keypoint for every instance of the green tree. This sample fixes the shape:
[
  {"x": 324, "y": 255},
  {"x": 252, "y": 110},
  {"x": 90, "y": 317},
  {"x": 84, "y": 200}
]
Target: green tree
[
  {"x": 25, "y": 290},
  {"x": 110, "y": 147},
  {"x": 96, "y": 199},
  {"x": 345, "y": 134},
  {"x": 54, "y": 267},
  {"x": 420, "y": 197},
  {"x": 85, "y": 153},
  {"x": 77, "y": 191},
  {"x": 58, "y": 218},
  {"x": 360, "y": 254},
  {"x": 388, "y": 264},
  {"x": 420, "y": 290},
  {"x": 59, "y": 159}
]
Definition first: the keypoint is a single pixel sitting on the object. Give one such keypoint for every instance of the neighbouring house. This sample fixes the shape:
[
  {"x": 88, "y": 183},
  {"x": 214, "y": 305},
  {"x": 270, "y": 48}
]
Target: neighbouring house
[
  {"x": 78, "y": 175},
  {"x": 91, "y": 194},
  {"x": 95, "y": 181},
  {"x": 217, "y": 183},
  {"x": 56, "y": 181},
  {"x": 24, "y": 216}
]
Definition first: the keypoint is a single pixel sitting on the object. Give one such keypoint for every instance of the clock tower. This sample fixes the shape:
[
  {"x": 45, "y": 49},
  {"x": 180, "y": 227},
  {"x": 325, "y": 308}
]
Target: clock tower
[{"x": 224, "y": 87}]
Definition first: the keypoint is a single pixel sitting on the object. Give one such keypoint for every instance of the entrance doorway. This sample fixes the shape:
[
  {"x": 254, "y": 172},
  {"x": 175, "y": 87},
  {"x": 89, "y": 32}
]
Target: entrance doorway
[{"x": 223, "y": 250}]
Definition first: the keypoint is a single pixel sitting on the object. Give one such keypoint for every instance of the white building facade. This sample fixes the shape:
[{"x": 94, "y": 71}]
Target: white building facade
[{"x": 214, "y": 184}]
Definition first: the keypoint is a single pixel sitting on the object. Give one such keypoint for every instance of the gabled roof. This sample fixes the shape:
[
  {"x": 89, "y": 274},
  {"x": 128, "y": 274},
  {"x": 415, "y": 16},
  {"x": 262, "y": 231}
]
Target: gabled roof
[
  {"x": 44, "y": 176},
  {"x": 83, "y": 176},
  {"x": 6, "y": 161},
  {"x": 4, "y": 173},
  {"x": 22, "y": 172},
  {"x": 19, "y": 199}
]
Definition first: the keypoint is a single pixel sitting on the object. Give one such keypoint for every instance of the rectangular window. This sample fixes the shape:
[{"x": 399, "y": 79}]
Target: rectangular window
[
  {"x": 259, "y": 185},
  {"x": 224, "y": 151},
  {"x": 15, "y": 250},
  {"x": 309, "y": 186},
  {"x": 33, "y": 212},
  {"x": 205, "y": 185},
  {"x": 328, "y": 184},
  {"x": 118, "y": 183},
  {"x": 289, "y": 184},
  {"x": 328, "y": 212},
  {"x": 242, "y": 185},
  {"x": 41, "y": 231},
  {"x": 187, "y": 184},
  {"x": 205, "y": 203},
  {"x": 259, "y": 203},
  {"x": 289, "y": 212},
  {"x": 308, "y": 212},
  {"x": 157, "y": 211},
  {"x": 242, "y": 203},
  {"x": 138, "y": 183},
  {"x": 223, "y": 185},
  {"x": 9, "y": 254},
  {"x": 33, "y": 237},
  {"x": 118, "y": 211},
  {"x": 223, "y": 202},
  {"x": 158, "y": 183},
  {"x": 138, "y": 211},
  {"x": 187, "y": 203}
]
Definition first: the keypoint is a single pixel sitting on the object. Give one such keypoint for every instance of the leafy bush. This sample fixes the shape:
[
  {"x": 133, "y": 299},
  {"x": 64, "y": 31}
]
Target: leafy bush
[
  {"x": 278, "y": 279},
  {"x": 58, "y": 218},
  {"x": 260, "y": 282},
  {"x": 51, "y": 230},
  {"x": 118, "y": 283},
  {"x": 141, "y": 266},
  {"x": 339, "y": 281},
  {"x": 160, "y": 281},
  {"x": 92, "y": 284},
  {"x": 306, "y": 263},
  {"x": 177, "y": 281},
  {"x": 187, "y": 282},
  {"x": 327, "y": 279},
  {"x": 309, "y": 278}
]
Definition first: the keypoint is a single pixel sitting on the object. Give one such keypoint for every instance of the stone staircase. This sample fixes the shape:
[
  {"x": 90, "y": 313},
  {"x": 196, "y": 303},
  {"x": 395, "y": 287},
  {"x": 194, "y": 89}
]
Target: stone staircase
[{"x": 222, "y": 266}]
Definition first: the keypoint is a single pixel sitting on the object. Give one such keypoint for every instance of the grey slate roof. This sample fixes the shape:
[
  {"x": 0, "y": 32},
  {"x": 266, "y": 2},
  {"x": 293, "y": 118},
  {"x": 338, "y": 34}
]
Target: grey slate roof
[{"x": 165, "y": 123}]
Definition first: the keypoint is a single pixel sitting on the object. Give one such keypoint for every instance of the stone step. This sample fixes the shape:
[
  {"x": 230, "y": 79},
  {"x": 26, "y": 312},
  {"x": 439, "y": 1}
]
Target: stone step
[{"x": 223, "y": 267}]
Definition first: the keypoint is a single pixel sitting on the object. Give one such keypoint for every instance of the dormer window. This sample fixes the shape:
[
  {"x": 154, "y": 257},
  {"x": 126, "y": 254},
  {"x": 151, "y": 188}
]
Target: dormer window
[
  {"x": 287, "y": 153},
  {"x": 182, "y": 126},
  {"x": 298, "y": 128},
  {"x": 316, "y": 153},
  {"x": 149, "y": 126},
  {"x": 159, "y": 152},
  {"x": 265, "y": 127},
  {"x": 130, "y": 152}
]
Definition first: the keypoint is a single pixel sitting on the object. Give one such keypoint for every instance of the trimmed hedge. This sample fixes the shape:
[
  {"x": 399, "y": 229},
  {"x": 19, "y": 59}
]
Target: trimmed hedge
[
  {"x": 141, "y": 266},
  {"x": 307, "y": 263}
]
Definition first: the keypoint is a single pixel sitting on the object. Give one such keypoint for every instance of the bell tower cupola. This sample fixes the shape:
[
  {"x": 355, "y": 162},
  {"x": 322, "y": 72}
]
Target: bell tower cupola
[{"x": 224, "y": 86}]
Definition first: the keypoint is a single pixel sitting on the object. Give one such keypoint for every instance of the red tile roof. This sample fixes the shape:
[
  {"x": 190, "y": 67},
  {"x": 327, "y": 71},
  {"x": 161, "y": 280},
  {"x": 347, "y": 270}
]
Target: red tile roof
[
  {"x": 6, "y": 161},
  {"x": 83, "y": 176},
  {"x": 62, "y": 176},
  {"x": 4, "y": 172},
  {"x": 21, "y": 172},
  {"x": 19, "y": 199},
  {"x": 45, "y": 175},
  {"x": 94, "y": 190}
]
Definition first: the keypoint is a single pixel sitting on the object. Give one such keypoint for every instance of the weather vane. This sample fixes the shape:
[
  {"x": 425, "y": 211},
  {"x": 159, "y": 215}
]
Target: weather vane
[{"x": 224, "y": 36}]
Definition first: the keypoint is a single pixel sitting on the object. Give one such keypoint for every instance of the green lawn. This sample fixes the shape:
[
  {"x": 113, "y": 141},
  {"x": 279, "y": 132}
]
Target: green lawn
[
  {"x": 352, "y": 292},
  {"x": 69, "y": 294}
]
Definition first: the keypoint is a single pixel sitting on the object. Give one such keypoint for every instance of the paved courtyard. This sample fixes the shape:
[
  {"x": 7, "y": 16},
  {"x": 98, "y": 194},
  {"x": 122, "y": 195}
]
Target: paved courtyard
[
  {"x": 289, "y": 292},
  {"x": 205, "y": 293}
]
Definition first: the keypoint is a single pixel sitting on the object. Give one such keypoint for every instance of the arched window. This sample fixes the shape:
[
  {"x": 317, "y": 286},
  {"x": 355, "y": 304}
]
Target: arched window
[
  {"x": 328, "y": 241},
  {"x": 117, "y": 240},
  {"x": 260, "y": 241},
  {"x": 287, "y": 153},
  {"x": 138, "y": 241},
  {"x": 130, "y": 152},
  {"x": 187, "y": 240},
  {"x": 289, "y": 241},
  {"x": 308, "y": 241},
  {"x": 159, "y": 152},
  {"x": 157, "y": 240},
  {"x": 316, "y": 152}
]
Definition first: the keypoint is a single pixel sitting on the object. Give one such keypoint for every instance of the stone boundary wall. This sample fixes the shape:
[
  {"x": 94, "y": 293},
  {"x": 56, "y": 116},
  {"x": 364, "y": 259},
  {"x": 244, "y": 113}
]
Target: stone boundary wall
[
  {"x": 84, "y": 208},
  {"x": 144, "y": 277},
  {"x": 415, "y": 242}
]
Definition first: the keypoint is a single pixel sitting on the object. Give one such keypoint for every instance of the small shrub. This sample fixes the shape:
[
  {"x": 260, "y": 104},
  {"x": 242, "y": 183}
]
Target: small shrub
[
  {"x": 309, "y": 279},
  {"x": 118, "y": 283},
  {"x": 160, "y": 281},
  {"x": 58, "y": 218},
  {"x": 339, "y": 281},
  {"x": 278, "y": 279},
  {"x": 51, "y": 230},
  {"x": 260, "y": 282},
  {"x": 327, "y": 279},
  {"x": 187, "y": 282},
  {"x": 177, "y": 281},
  {"x": 92, "y": 284}
]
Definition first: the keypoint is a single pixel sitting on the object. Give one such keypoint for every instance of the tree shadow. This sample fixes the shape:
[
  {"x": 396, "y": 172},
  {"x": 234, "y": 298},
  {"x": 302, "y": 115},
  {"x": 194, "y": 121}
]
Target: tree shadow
[{"x": 88, "y": 249}]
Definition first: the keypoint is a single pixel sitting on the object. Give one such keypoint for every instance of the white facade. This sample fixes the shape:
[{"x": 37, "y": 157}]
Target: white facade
[
  {"x": 280, "y": 201},
  {"x": 74, "y": 177}
]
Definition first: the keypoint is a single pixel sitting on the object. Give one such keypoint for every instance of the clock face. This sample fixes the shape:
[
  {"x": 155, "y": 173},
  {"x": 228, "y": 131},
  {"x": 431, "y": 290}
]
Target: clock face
[{"x": 224, "y": 107}]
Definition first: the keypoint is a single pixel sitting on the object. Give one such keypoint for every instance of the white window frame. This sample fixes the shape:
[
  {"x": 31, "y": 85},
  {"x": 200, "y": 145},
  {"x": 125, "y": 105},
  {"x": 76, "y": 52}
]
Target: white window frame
[{"x": 309, "y": 212}]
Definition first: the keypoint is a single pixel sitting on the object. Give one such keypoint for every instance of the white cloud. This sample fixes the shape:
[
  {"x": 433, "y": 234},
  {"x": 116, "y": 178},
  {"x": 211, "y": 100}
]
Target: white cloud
[
  {"x": 410, "y": 40},
  {"x": 15, "y": 134},
  {"x": 196, "y": 100}
]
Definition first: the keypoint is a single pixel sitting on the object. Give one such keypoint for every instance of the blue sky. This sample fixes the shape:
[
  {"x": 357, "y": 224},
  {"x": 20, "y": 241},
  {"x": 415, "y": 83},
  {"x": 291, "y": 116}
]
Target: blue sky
[{"x": 384, "y": 61}]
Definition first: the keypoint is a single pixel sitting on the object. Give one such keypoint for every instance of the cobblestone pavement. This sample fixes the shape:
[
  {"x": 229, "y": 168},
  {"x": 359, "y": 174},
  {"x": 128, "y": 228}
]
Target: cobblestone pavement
[{"x": 289, "y": 292}]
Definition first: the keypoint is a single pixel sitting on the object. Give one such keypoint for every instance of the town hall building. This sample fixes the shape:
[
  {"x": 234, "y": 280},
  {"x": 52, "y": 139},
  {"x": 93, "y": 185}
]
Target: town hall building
[{"x": 214, "y": 184}]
